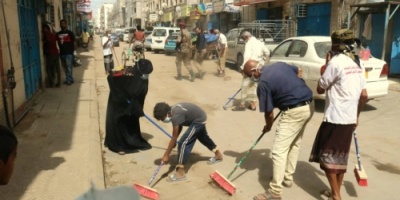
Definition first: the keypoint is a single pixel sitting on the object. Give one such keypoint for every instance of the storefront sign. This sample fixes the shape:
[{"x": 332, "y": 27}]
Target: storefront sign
[
  {"x": 185, "y": 11},
  {"x": 218, "y": 6},
  {"x": 83, "y": 6},
  {"x": 229, "y": 7},
  {"x": 153, "y": 17},
  {"x": 195, "y": 12},
  {"x": 241, "y": 2},
  {"x": 209, "y": 8}
]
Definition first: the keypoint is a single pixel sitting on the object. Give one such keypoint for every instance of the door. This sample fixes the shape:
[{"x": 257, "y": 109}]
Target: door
[
  {"x": 395, "y": 54},
  {"x": 29, "y": 46},
  {"x": 317, "y": 20},
  {"x": 231, "y": 44}
]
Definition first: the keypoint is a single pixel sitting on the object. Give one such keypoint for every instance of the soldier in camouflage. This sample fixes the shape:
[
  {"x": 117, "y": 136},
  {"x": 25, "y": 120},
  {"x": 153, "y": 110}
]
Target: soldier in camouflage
[{"x": 184, "y": 52}]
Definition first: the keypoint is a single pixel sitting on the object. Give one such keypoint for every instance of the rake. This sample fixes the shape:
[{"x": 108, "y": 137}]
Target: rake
[
  {"x": 230, "y": 99},
  {"x": 224, "y": 182}
]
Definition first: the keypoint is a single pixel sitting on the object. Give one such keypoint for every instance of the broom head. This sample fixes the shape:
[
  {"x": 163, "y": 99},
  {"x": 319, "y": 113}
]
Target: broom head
[
  {"x": 223, "y": 182},
  {"x": 146, "y": 192},
  {"x": 361, "y": 176}
]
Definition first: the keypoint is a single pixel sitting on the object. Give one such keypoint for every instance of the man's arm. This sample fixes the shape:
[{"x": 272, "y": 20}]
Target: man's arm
[
  {"x": 361, "y": 102},
  {"x": 269, "y": 120},
  {"x": 172, "y": 142}
]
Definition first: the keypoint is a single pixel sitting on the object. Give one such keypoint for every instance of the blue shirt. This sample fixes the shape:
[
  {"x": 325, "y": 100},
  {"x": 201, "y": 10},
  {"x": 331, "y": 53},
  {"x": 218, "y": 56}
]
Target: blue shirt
[{"x": 280, "y": 87}]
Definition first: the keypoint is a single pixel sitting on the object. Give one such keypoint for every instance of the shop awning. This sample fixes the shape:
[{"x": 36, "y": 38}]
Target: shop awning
[{"x": 260, "y": 1}]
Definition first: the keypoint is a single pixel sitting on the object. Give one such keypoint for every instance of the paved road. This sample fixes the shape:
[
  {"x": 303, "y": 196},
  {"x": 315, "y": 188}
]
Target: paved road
[
  {"x": 235, "y": 132},
  {"x": 60, "y": 148}
]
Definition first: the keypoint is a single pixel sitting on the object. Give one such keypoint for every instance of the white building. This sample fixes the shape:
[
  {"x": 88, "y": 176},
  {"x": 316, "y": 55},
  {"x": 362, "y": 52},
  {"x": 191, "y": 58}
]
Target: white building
[{"x": 105, "y": 11}]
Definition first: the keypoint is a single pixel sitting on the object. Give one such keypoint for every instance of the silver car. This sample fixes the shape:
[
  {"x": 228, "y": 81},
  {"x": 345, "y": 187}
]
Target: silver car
[{"x": 309, "y": 53}]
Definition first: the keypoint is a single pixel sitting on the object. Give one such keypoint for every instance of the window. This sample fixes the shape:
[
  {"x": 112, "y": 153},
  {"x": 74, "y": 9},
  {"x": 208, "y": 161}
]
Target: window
[
  {"x": 170, "y": 31},
  {"x": 298, "y": 49},
  {"x": 322, "y": 48},
  {"x": 159, "y": 32},
  {"x": 281, "y": 50}
]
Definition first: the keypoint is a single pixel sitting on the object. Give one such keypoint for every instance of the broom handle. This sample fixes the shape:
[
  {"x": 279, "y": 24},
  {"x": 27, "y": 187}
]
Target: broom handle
[
  {"x": 230, "y": 99},
  {"x": 158, "y": 126},
  {"x": 357, "y": 151},
  {"x": 156, "y": 172},
  {"x": 252, "y": 147},
  {"x": 115, "y": 54}
]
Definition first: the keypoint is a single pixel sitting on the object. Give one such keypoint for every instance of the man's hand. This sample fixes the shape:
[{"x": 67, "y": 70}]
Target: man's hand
[
  {"x": 266, "y": 129},
  {"x": 165, "y": 158}
]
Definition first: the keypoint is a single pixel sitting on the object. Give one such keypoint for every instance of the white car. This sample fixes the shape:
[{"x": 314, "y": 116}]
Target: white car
[
  {"x": 159, "y": 36},
  {"x": 147, "y": 43},
  {"x": 309, "y": 53}
]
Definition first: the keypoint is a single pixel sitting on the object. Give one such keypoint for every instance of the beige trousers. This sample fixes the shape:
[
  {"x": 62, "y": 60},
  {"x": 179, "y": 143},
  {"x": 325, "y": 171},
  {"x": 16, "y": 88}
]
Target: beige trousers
[
  {"x": 222, "y": 60},
  {"x": 185, "y": 57},
  {"x": 285, "y": 149},
  {"x": 249, "y": 90},
  {"x": 199, "y": 57}
]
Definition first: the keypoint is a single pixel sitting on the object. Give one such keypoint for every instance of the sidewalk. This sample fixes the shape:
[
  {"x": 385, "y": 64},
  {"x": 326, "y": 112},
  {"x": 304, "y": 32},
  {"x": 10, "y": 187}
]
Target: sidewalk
[{"x": 59, "y": 151}]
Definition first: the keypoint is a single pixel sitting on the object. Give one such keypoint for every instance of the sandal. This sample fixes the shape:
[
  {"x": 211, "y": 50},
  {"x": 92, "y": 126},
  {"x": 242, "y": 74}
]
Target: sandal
[
  {"x": 253, "y": 109},
  {"x": 213, "y": 160},
  {"x": 326, "y": 193},
  {"x": 173, "y": 178},
  {"x": 238, "y": 108},
  {"x": 266, "y": 196}
]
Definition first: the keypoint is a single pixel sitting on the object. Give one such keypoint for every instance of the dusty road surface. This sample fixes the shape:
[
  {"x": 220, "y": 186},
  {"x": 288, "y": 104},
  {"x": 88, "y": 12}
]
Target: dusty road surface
[
  {"x": 61, "y": 149},
  {"x": 235, "y": 132}
]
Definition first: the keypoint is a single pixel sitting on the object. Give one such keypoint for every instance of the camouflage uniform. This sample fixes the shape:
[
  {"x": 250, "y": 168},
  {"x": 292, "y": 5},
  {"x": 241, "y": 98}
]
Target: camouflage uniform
[{"x": 184, "y": 53}]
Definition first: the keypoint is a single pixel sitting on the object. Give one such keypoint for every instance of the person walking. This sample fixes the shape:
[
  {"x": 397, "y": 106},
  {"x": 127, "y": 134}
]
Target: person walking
[
  {"x": 66, "y": 42},
  {"x": 254, "y": 50},
  {"x": 85, "y": 39},
  {"x": 52, "y": 56},
  {"x": 191, "y": 115},
  {"x": 223, "y": 50},
  {"x": 343, "y": 82},
  {"x": 201, "y": 51},
  {"x": 107, "y": 45},
  {"x": 275, "y": 89},
  {"x": 184, "y": 52}
]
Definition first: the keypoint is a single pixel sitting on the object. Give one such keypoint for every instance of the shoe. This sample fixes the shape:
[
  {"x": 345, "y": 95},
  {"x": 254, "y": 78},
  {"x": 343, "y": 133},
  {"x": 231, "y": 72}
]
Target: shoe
[
  {"x": 253, "y": 109},
  {"x": 58, "y": 85},
  {"x": 201, "y": 74},
  {"x": 192, "y": 76},
  {"x": 121, "y": 153},
  {"x": 173, "y": 178},
  {"x": 221, "y": 74},
  {"x": 238, "y": 108},
  {"x": 267, "y": 195},
  {"x": 179, "y": 77},
  {"x": 287, "y": 184}
]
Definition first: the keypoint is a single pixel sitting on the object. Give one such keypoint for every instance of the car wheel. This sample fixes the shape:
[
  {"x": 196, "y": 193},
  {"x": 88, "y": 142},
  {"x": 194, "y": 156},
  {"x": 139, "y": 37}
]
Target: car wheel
[
  {"x": 239, "y": 61},
  {"x": 148, "y": 49},
  {"x": 156, "y": 51}
]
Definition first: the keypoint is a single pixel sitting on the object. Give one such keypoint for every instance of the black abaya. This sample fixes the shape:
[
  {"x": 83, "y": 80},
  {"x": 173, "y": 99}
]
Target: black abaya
[{"x": 125, "y": 106}]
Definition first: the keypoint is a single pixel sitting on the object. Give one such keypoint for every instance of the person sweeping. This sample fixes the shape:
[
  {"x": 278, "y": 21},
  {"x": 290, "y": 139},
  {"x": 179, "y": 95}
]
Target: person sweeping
[
  {"x": 191, "y": 115},
  {"x": 344, "y": 84}
]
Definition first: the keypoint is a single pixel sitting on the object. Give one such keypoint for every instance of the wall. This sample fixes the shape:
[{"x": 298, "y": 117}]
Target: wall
[{"x": 11, "y": 13}]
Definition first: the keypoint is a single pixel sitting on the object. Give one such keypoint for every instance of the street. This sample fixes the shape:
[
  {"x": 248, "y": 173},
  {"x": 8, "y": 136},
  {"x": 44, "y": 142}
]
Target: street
[{"x": 60, "y": 150}]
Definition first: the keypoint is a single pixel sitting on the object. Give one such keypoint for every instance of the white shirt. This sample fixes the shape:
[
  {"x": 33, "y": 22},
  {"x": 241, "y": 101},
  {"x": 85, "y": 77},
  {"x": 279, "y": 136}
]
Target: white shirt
[
  {"x": 107, "y": 50},
  {"x": 255, "y": 50},
  {"x": 343, "y": 82},
  {"x": 222, "y": 40}
]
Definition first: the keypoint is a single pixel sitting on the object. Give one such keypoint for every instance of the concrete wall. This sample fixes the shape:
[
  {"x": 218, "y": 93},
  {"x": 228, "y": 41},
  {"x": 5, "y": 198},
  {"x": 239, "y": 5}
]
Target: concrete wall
[{"x": 11, "y": 13}]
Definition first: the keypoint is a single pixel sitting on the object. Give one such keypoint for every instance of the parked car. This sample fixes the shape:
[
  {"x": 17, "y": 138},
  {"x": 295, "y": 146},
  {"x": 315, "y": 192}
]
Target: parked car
[
  {"x": 120, "y": 35},
  {"x": 128, "y": 34},
  {"x": 159, "y": 37},
  {"x": 309, "y": 53},
  {"x": 147, "y": 43},
  {"x": 170, "y": 42},
  {"x": 115, "y": 39}
]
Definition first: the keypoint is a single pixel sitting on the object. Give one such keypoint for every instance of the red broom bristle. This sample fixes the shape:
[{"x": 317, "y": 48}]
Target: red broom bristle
[
  {"x": 224, "y": 183},
  {"x": 146, "y": 192}
]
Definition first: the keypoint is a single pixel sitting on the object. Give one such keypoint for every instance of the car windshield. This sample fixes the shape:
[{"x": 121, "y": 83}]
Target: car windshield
[
  {"x": 159, "y": 32},
  {"x": 322, "y": 48}
]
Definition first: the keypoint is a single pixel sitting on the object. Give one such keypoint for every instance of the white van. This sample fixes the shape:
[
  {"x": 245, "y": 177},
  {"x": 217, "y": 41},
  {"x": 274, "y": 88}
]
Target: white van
[
  {"x": 159, "y": 36},
  {"x": 128, "y": 33}
]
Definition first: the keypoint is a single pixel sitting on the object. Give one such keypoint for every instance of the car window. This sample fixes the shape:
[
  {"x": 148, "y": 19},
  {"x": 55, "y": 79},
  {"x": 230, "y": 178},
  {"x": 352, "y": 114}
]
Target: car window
[
  {"x": 282, "y": 49},
  {"x": 298, "y": 49},
  {"x": 160, "y": 32},
  {"x": 322, "y": 48},
  {"x": 170, "y": 31}
]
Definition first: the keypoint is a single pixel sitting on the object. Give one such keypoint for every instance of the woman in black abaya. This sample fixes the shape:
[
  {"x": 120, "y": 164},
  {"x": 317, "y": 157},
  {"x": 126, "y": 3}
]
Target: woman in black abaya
[{"x": 128, "y": 89}]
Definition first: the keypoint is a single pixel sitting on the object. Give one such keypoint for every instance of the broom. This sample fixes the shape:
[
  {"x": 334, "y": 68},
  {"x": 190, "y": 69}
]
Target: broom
[
  {"x": 359, "y": 171},
  {"x": 230, "y": 99},
  {"x": 147, "y": 191},
  {"x": 224, "y": 182}
]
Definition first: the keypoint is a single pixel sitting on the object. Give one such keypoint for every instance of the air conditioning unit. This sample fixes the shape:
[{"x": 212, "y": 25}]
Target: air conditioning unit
[{"x": 301, "y": 10}]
